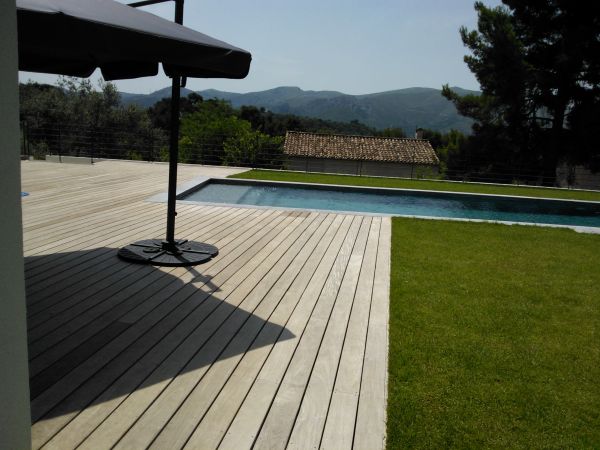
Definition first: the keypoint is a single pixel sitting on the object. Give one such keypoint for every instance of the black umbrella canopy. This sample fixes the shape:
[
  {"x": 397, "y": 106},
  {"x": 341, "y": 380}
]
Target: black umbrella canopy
[{"x": 74, "y": 37}]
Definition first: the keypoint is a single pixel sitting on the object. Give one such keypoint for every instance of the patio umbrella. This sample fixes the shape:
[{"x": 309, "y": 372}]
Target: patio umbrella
[{"x": 74, "y": 37}]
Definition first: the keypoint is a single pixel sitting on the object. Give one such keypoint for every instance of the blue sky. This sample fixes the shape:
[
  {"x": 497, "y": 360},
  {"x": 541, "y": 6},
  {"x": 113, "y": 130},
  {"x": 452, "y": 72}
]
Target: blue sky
[{"x": 352, "y": 46}]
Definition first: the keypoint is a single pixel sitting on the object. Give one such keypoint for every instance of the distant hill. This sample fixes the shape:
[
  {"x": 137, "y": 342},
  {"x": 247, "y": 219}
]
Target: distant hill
[
  {"x": 405, "y": 108},
  {"x": 147, "y": 100}
]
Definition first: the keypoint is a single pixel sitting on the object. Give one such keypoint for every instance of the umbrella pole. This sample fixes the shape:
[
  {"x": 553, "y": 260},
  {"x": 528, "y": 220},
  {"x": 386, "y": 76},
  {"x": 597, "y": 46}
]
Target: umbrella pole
[
  {"x": 174, "y": 144},
  {"x": 170, "y": 252},
  {"x": 173, "y": 160}
]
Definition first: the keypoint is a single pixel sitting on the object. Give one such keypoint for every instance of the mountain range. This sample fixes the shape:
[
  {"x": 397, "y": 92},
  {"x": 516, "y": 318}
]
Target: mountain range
[{"x": 404, "y": 108}]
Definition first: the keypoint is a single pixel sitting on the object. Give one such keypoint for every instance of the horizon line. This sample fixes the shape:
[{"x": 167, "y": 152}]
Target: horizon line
[{"x": 303, "y": 90}]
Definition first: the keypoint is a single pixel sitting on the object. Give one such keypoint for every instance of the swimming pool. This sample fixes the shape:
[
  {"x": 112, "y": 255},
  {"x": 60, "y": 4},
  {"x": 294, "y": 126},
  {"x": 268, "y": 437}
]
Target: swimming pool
[{"x": 400, "y": 202}]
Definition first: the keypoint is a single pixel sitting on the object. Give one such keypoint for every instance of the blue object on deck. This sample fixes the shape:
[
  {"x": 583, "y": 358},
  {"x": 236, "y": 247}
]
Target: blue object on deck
[
  {"x": 400, "y": 202},
  {"x": 24, "y": 194}
]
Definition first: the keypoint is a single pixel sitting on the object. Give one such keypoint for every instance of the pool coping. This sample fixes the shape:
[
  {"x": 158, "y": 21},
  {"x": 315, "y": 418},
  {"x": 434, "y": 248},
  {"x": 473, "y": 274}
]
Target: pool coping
[
  {"x": 190, "y": 187},
  {"x": 198, "y": 182}
]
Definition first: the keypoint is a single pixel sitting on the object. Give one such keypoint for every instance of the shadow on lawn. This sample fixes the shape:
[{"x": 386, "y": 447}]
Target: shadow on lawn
[{"x": 101, "y": 330}]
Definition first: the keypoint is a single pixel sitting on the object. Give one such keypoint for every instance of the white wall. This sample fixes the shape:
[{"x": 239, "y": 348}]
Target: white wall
[
  {"x": 349, "y": 167},
  {"x": 14, "y": 379}
]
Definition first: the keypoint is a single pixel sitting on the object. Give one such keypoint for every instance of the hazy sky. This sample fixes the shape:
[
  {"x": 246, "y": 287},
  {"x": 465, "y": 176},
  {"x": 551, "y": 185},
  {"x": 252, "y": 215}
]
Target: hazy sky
[{"x": 352, "y": 46}]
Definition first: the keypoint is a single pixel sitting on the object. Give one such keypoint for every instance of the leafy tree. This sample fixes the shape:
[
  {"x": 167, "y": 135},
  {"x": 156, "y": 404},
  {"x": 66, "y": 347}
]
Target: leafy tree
[
  {"x": 253, "y": 148},
  {"x": 584, "y": 122},
  {"x": 42, "y": 104},
  {"x": 278, "y": 124},
  {"x": 537, "y": 62},
  {"x": 450, "y": 148},
  {"x": 204, "y": 131},
  {"x": 160, "y": 112},
  {"x": 256, "y": 116},
  {"x": 74, "y": 118},
  {"x": 501, "y": 111},
  {"x": 396, "y": 132}
]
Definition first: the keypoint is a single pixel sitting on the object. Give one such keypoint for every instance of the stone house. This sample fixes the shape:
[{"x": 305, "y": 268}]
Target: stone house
[{"x": 360, "y": 155}]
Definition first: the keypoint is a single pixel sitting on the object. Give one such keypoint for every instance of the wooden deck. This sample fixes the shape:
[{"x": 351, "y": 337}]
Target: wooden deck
[{"x": 280, "y": 341}]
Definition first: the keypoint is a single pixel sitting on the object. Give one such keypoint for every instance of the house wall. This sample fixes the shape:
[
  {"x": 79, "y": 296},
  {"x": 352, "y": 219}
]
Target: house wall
[
  {"x": 577, "y": 177},
  {"x": 14, "y": 378},
  {"x": 323, "y": 165},
  {"x": 348, "y": 167}
]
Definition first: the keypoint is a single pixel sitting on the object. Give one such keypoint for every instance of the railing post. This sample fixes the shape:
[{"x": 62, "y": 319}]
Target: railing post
[
  {"x": 24, "y": 145},
  {"x": 94, "y": 139},
  {"x": 151, "y": 158},
  {"x": 27, "y": 141},
  {"x": 59, "y": 145}
]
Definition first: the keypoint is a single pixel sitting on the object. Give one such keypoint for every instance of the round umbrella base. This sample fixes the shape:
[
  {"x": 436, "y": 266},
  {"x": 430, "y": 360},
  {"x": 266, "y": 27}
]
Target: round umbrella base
[{"x": 162, "y": 253}]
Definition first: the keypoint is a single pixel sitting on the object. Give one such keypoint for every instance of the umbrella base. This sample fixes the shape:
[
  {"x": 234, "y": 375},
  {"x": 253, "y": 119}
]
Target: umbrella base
[{"x": 163, "y": 253}]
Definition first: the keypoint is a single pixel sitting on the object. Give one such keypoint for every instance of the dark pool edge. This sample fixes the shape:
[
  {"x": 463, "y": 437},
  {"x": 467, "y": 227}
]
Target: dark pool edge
[
  {"x": 433, "y": 180},
  {"x": 378, "y": 189}
]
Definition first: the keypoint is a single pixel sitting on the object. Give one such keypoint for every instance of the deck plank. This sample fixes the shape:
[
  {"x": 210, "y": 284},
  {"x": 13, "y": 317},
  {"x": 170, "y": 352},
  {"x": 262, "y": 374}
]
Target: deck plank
[
  {"x": 85, "y": 272},
  {"x": 370, "y": 420},
  {"x": 306, "y": 287},
  {"x": 120, "y": 296},
  {"x": 112, "y": 403},
  {"x": 280, "y": 420},
  {"x": 287, "y": 291},
  {"x": 341, "y": 417},
  {"x": 311, "y": 417},
  {"x": 280, "y": 341},
  {"x": 164, "y": 337},
  {"x": 41, "y": 404},
  {"x": 240, "y": 329}
]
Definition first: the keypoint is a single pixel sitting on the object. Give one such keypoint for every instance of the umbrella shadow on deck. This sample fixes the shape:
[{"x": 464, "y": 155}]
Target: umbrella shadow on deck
[{"x": 101, "y": 328}]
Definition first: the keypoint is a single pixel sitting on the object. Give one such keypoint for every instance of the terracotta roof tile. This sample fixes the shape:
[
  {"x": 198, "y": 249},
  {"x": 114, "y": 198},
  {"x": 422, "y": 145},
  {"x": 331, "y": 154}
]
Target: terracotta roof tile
[{"x": 363, "y": 148}]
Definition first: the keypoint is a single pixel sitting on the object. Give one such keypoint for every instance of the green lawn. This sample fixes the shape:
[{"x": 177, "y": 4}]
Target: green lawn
[
  {"x": 494, "y": 336},
  {"x": 418, "y": 184},
  {"x": 494, "y": 329}
]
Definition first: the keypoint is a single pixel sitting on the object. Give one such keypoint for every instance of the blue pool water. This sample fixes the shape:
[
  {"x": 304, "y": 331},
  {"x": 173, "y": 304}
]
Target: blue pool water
[{"x": 414, "y": 203}]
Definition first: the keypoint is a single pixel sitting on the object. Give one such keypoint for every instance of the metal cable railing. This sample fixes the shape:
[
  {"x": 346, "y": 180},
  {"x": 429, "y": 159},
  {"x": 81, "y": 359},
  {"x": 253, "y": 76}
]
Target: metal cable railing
[{"x": 152, "y": 145}]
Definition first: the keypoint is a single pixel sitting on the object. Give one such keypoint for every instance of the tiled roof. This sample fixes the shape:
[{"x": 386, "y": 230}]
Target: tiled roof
[{"x": 362, "y": 148}]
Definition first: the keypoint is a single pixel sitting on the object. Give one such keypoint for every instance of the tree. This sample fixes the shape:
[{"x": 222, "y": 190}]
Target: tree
[
  {"x": 75, "y": 118},
  {"x": 562, "y": 43},
  {"x": 214, "y": 134},
  {"x": 160, "y": 112},
  {"x": 396, "y": 132},
  {"x": 278, "y": 124},
  {"x": 449, "y": 148},
  {"x": 42, "y": 104},
  {"x": 204, "y": 131},
  {"x": 253, "y": 149},
  {"x": 537, "y": 63}
]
